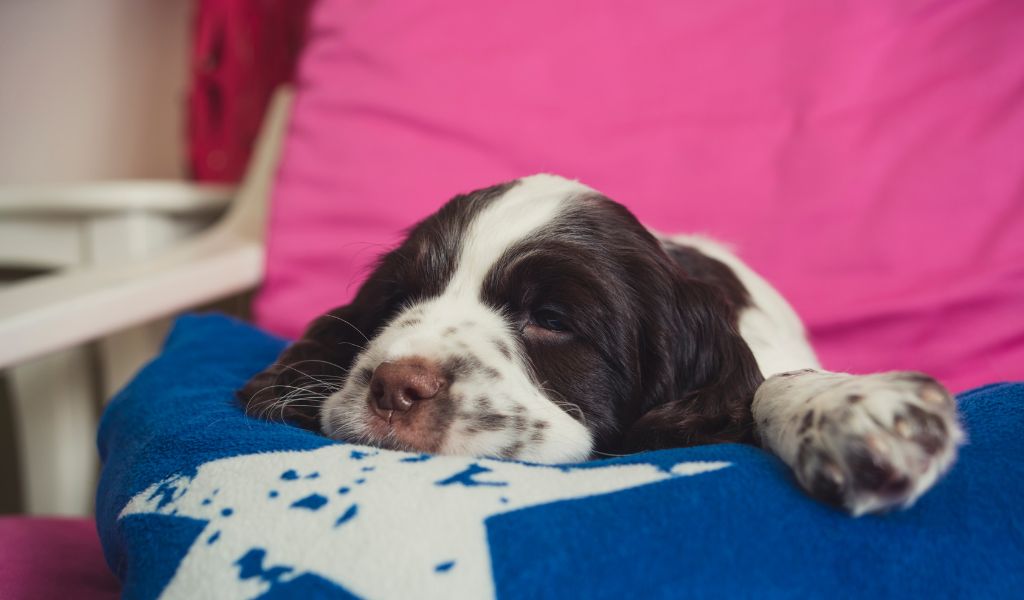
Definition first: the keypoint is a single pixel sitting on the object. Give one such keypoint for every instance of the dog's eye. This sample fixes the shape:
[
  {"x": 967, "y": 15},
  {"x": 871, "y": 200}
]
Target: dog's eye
[{"x": 549, "y": 319}]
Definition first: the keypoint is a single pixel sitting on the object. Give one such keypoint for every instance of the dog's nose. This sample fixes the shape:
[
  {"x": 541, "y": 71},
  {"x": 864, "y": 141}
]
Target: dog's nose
[{"x": 398, "y": 385}]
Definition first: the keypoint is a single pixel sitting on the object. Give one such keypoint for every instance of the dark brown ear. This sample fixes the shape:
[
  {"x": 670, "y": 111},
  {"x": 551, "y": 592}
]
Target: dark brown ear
[
  {"x": 308, "y": 371},
  {"x": 296, "y": 384},
  {"x": 705, "y": 374}
]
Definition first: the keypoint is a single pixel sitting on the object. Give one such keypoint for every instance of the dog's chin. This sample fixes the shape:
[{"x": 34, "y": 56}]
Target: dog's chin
[
  {"x": 438, "y": 427},
  {"x": 416, "y": 430}
]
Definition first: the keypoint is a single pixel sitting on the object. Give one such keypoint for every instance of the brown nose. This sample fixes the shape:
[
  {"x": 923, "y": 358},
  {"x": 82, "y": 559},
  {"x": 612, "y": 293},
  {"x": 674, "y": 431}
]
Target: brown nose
[{"x": 398, "y": 385}]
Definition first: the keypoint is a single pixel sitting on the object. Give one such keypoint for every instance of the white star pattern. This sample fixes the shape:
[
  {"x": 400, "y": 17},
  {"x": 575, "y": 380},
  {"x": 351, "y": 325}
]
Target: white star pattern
[{"x": 381, "y": 524}]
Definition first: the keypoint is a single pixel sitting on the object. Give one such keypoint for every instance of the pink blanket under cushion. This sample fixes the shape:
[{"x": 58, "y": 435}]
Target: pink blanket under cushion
[
  {"x": 53, "y": 559},
  {"x": 867, "y": 157}
]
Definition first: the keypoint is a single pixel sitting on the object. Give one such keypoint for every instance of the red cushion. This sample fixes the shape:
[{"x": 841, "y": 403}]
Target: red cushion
[{"x": 53, "y": 558}]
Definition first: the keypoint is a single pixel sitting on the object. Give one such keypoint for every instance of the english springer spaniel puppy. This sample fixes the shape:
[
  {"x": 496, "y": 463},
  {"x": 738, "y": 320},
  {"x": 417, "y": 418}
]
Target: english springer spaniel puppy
[{"x": 538, "y": 320}]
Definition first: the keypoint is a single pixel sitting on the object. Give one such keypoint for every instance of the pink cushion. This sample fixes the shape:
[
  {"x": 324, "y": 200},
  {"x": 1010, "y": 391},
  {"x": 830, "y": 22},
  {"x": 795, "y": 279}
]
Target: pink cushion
[
  {"x": 867, "y": 157},
  {"x": 43, "y": 559}
]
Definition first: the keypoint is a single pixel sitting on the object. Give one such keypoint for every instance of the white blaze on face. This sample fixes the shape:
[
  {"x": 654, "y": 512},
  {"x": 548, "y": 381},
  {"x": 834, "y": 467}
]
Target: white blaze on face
[
  {"x": 458, "y": 324},
  {"x": 532, "y": 203}
]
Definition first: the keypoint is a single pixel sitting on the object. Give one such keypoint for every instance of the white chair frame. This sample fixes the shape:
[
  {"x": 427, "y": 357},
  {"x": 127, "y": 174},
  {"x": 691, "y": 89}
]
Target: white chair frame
[{"x": 138, "y": 274}]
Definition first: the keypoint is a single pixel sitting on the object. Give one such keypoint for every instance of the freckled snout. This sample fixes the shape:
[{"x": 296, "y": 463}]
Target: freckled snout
[{"x": 398, "y": 385}]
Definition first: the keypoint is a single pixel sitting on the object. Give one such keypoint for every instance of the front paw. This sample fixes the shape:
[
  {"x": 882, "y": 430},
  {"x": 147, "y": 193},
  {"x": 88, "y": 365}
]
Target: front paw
[{"x": 875, "y": 442}]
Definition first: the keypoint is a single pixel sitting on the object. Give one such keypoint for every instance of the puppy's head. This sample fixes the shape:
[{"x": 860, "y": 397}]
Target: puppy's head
[{"x": 535, "y": 320}]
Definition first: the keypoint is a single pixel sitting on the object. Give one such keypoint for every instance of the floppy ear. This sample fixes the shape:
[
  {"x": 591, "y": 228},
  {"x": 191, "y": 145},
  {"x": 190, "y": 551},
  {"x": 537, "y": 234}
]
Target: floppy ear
[
  {"x": 307, "y": 371},
  {"x": 704, "y": 373}
]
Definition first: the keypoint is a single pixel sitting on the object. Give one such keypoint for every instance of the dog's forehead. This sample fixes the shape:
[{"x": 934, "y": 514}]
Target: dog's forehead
[
  {"x": 525, "y": 207},
  {"x": 529, "y": 205}
]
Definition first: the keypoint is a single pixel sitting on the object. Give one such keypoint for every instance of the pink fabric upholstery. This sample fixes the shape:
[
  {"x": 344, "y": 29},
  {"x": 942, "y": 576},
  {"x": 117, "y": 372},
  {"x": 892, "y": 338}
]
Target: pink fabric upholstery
[
  {"x": 53, "y": 559},
  {"x": 867, "y": 157}
]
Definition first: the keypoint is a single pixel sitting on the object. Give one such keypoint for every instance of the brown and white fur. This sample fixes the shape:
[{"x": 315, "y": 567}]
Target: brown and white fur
[{"x": 538, "y": 320}]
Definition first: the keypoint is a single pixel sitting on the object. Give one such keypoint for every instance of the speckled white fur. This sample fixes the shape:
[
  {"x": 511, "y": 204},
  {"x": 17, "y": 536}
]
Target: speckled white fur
[{"x": 531, "y": 204}]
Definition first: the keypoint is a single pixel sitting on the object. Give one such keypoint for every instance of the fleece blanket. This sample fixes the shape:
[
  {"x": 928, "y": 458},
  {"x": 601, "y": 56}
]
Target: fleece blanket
[{"x": 198, "y": 501}]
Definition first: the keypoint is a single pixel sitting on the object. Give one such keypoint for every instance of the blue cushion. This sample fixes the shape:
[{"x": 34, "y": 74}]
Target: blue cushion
[{"x": 197, "y": 499}]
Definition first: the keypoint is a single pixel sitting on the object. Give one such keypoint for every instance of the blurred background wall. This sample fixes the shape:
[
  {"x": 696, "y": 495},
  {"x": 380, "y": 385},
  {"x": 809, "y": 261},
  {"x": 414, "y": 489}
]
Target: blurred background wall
[
  {"x": 102, "y": 94},
  {"x": 89, "y": 90},
  {"x": 102, "y": 90}
]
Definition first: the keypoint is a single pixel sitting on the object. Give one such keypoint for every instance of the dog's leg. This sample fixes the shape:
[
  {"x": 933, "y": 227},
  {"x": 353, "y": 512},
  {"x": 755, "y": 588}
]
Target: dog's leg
[{"x": 866, "y": 442}]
